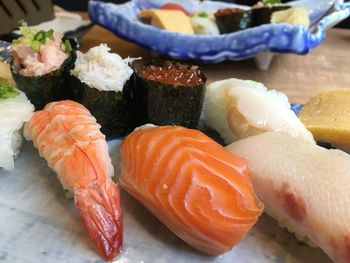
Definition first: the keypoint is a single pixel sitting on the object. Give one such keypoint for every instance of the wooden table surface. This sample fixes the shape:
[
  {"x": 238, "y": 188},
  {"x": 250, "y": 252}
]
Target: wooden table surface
[{"x": 300, "y": 77}]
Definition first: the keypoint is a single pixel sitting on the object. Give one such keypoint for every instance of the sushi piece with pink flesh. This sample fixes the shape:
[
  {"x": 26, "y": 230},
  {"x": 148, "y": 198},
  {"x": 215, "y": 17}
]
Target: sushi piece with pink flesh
[
  {"x": 41, "y": 61},
  {"x": 304, "y": 186},
  {"x": 191, "y": 184}
]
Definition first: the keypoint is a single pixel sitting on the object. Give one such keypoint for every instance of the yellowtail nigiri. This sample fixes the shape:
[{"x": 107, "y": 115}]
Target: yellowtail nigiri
[{"x": 304, "y": 186}]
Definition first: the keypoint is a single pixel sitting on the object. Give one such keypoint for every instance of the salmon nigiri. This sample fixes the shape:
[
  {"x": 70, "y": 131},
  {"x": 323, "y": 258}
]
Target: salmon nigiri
[
  {"x": 69, "y": 138},
  {"x": 189, "y": 182}
]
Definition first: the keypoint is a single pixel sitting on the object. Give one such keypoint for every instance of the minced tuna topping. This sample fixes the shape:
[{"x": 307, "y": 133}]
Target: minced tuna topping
[{"x": 37, "y": 53}]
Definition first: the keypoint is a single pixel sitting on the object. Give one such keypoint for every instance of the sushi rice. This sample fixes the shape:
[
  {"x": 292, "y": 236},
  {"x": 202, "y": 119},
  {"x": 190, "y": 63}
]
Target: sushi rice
[
  {"x": 102, "y": 70},
  {"x": 13, "y": 113}
]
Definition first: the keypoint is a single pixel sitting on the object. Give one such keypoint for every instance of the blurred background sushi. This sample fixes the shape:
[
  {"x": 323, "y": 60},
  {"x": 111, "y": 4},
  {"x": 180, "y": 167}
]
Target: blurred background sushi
[
  {"x": 82, "y": 5},
  {"x": 233, "y": 19}
]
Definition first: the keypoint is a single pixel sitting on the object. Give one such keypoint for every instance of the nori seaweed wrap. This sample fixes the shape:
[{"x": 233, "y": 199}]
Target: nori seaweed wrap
[
  {"x": 103, "y": 82},
  {"x": 169, "y": 93},
  {"x": 114, "y": 111},
  {"x": 262, "y": 14},
  {"x": 40, "y": 64},
  {"x": 233, "y": 19}
]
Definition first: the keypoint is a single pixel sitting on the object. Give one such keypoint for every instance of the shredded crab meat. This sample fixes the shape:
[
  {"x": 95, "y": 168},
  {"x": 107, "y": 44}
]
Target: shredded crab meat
[{"x": 102, "y": 70}]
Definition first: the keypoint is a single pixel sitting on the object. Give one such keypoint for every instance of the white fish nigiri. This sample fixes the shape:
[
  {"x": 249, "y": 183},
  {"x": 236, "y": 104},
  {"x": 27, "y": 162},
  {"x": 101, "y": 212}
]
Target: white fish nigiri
[
  {"x": 304, "y": 186},
  {"x": 13, "y": 113},
  {"x": 204, "y": 26},
  {"x": 240, "y": 108}
]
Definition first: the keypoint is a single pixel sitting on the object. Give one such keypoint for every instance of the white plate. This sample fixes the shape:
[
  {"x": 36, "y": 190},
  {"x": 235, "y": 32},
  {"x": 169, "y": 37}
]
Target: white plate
[
  {"x": 71, "y": 24},
  {"x": 39, "y": 224}
]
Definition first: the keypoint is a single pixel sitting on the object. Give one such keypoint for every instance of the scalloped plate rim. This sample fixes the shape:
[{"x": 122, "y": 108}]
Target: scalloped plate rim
[{"x": 308, "y": 39}]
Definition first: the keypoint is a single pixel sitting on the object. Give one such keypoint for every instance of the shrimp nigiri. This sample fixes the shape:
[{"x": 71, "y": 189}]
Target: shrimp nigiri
[
  {"x": 197, "y": 189},
  {"x": 69, "y": 138}
]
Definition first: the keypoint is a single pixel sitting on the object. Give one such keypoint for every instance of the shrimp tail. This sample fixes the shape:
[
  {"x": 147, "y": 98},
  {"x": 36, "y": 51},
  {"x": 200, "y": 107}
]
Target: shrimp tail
[{"x": 100, "y": 209}]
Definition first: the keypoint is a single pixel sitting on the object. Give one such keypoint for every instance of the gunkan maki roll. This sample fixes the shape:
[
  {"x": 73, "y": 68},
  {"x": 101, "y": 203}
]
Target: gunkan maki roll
[
  {"x": 169, "y": 93},
  {"x": 233, "y": 19},
  {"x": 262, "y": 12},
  {"x": 41, "y": 61},
  {"x": 103, "y": 83}
]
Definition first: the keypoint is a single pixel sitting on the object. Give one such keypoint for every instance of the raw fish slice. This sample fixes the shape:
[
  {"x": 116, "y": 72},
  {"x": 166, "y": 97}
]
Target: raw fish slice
[
  {"x": 190, "y": 183},
  {"x": 304, "y": 186},
  {"x": 13, "y": 113},
  {"x": 241, "y": 108},
  {"x": 69, "y": 138},
  {"x": 48, "y": 58}
]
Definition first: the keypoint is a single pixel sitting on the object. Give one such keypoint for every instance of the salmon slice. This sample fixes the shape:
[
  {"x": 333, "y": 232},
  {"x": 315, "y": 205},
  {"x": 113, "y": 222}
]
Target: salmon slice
[
  {"x": 304, "y": 186},
  {"x": 69, "y": 138},
  {"x": 190, "y": 183}
]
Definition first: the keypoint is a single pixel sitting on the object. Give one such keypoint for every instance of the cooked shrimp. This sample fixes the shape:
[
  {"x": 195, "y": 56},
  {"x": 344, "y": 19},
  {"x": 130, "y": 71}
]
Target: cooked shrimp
[{"x": 69, "y": 138}]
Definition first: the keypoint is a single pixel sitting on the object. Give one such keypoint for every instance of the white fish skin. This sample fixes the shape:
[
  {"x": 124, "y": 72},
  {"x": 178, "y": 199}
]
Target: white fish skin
[
  {"x": 240, "y": 108},
  {"x": 304, "y": 186},
  {"x": 13, "y": 113}
]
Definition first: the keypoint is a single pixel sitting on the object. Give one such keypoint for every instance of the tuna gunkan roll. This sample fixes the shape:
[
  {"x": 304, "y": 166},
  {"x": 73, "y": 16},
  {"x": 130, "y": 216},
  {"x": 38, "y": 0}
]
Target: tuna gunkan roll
[
  {"x": 41, "y": 61},
  {"x": 102, "y": 81},
  {"x": 169, "y": 93}
]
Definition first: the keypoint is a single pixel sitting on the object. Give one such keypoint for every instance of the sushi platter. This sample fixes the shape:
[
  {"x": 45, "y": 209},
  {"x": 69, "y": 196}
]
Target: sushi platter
[
  {"x": 43, "y": 226},
  {"x": 111, "y": 159},
  {"x": 258, "y": 42}
]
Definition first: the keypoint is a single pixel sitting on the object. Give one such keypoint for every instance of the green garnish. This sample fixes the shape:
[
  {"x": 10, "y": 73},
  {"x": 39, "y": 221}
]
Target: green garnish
[
  {"x": 271, "y": 2},
  {"x": 32, "y": 37},
  {"x": 67, "y": 46},
  {"x": 7, "y": 91},
  {"x": 41, "y": 36},
  {"x": 203, "y": 14}
]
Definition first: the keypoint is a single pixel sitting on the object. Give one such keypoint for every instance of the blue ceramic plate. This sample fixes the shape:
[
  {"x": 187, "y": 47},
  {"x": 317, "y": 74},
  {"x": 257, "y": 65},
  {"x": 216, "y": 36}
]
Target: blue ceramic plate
[
  {"x": 296, "y": 108},
  {"x": 122, "y": 20},
  {"x": 4, "y": 53}
]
